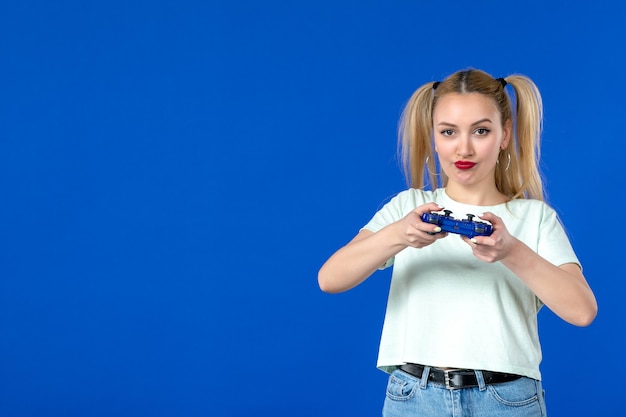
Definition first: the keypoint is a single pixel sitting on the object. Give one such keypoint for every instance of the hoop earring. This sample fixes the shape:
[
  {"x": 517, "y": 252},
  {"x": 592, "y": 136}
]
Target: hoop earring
[
  {"x": 508, "y": 164},
  {"x": 428, "y": 167}
]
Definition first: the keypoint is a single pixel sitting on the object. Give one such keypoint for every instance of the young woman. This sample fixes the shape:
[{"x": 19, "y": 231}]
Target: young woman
[{"x": 460, "y": 330}]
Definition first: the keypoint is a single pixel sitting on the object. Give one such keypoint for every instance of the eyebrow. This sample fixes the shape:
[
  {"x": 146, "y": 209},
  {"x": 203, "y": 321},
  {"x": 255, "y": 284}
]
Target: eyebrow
[{"x": 473, "y": 124}]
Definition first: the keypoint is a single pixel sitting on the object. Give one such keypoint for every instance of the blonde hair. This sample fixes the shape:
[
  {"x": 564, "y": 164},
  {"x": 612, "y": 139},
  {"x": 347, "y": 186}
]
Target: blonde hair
[{"x": 519, "y": 178}]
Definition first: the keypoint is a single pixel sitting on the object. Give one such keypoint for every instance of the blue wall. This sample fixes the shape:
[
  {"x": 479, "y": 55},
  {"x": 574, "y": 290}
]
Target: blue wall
[{"x": 174, "y": 173}]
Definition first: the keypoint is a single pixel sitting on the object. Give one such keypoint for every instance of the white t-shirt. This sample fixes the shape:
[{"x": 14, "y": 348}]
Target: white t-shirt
[{"x": 446, "y": 308}]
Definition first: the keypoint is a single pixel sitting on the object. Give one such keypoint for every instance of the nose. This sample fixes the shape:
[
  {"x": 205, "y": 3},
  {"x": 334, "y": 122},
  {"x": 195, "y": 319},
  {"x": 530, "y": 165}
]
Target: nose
[{"x": 464, "y": 146}]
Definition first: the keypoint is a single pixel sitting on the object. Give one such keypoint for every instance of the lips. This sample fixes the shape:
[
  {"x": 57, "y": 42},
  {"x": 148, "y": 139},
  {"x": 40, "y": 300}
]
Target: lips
[{"x": 464, "y": 164}]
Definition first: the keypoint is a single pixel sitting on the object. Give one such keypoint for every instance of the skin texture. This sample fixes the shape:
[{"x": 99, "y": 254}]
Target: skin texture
[{"x": 467, "y": 127}]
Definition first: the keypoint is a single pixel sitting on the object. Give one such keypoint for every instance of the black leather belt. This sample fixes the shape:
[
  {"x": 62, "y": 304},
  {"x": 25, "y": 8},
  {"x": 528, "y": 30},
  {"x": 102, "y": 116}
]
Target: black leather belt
[{"x": 456, "y": 379}]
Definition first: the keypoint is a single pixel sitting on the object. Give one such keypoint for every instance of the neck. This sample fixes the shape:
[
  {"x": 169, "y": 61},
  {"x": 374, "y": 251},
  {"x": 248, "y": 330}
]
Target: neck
[{"x": 476, "y": 196}]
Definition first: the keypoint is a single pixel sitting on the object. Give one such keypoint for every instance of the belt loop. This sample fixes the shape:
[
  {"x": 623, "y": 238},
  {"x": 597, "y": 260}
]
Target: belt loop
[
  {"x": 424, "y": 380},
  {"x": 481, "y": 380}
]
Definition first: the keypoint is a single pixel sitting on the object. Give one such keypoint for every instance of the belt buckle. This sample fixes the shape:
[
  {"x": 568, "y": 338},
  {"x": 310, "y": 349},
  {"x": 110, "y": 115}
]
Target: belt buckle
[{"x": 447, "y": 379}]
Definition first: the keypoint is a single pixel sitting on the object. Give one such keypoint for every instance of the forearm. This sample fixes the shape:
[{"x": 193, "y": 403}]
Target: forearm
[
  {"x": 562, "y": 289},
  {"x": 355, "y": 262}
]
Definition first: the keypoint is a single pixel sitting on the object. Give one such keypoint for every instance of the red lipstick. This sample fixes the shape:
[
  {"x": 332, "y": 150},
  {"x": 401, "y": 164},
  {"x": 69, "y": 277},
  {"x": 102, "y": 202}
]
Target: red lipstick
[{"x": 464, "y": 164}]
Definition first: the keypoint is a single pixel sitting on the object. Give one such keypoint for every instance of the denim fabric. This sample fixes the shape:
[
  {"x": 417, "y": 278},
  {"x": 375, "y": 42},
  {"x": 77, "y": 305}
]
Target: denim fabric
[{"x": 410, "y": 396}]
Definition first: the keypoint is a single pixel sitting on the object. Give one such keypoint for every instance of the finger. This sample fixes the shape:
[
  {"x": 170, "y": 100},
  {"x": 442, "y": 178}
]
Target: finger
[
  {"x": 473, "y": 241},
  {"x": 431, "y": 229},
  {"x": 434, "y": 206},
  {"x": 476, "y": 240},
  {"x": 482, "y": 241},
  {"x": 426, "y": 208},
  {"x": 490, "y": 217},
  {"x": 426, "y": 226}
]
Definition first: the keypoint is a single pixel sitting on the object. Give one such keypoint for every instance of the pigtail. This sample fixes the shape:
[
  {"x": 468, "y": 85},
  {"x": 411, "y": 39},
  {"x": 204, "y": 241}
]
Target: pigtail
[
  {"x": 415, "y": 137},
  {"x": 525, "y": 153}
]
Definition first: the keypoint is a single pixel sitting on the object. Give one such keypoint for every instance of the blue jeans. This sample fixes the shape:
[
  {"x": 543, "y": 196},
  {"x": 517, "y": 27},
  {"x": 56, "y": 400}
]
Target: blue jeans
[{"x": 411, "y": 396}]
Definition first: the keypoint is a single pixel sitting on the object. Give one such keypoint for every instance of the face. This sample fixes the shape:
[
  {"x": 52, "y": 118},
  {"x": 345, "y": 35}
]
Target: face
[{"x": 468, "y": 137}]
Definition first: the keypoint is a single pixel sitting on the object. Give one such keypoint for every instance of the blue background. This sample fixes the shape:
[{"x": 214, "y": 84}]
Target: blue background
[{"x": 174, "y": 173}]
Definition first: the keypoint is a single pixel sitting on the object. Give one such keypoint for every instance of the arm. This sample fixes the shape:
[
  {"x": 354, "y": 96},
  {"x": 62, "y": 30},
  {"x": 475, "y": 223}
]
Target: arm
[
  {"x": 563, "y": 288},
  {"x": 363, "y": 255}
]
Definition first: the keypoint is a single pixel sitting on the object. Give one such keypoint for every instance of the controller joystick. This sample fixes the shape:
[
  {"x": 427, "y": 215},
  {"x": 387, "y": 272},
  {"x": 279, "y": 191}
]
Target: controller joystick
[{"x": 468, "y": 227}]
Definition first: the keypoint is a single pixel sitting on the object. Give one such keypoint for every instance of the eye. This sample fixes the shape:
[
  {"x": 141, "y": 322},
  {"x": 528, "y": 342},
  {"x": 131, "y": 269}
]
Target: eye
[
  {"x": 481, "y": 131},
  {"x": 447, "y": 132}
]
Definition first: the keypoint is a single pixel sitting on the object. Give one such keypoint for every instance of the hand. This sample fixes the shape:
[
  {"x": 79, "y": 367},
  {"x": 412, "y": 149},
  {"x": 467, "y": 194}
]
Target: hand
[
  {"x": 416, "y": 233},
  {"x": 495, "y": 247}
]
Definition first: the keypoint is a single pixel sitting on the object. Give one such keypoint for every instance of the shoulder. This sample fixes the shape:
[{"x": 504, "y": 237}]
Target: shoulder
[
  {"x": 417, "y": 197},
  {"x": 405, "y": 201},
  {"x": 531, "y": 208},
  {"x": 526, "y": 204},
  {"x": 408, "y": 199}
]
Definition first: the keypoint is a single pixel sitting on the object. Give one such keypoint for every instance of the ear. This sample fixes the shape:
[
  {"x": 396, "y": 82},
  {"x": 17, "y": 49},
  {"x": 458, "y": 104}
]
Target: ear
[{"x": 508, "y": 134}]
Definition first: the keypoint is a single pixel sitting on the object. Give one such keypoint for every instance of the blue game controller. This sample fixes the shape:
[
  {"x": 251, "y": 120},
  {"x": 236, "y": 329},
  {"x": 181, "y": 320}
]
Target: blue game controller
[{"x": 468, "y": 227}]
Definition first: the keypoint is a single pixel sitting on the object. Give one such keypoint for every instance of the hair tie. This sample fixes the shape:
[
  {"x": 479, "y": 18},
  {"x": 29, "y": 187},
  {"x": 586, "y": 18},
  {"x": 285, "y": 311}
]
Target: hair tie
[
  {"x": 436, "y": 84},
  {"x": 502, "y": 81}
]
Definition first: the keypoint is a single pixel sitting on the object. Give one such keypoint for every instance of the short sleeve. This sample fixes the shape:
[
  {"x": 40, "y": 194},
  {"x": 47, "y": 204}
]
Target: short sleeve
[{"x": 554, "y": 244}]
